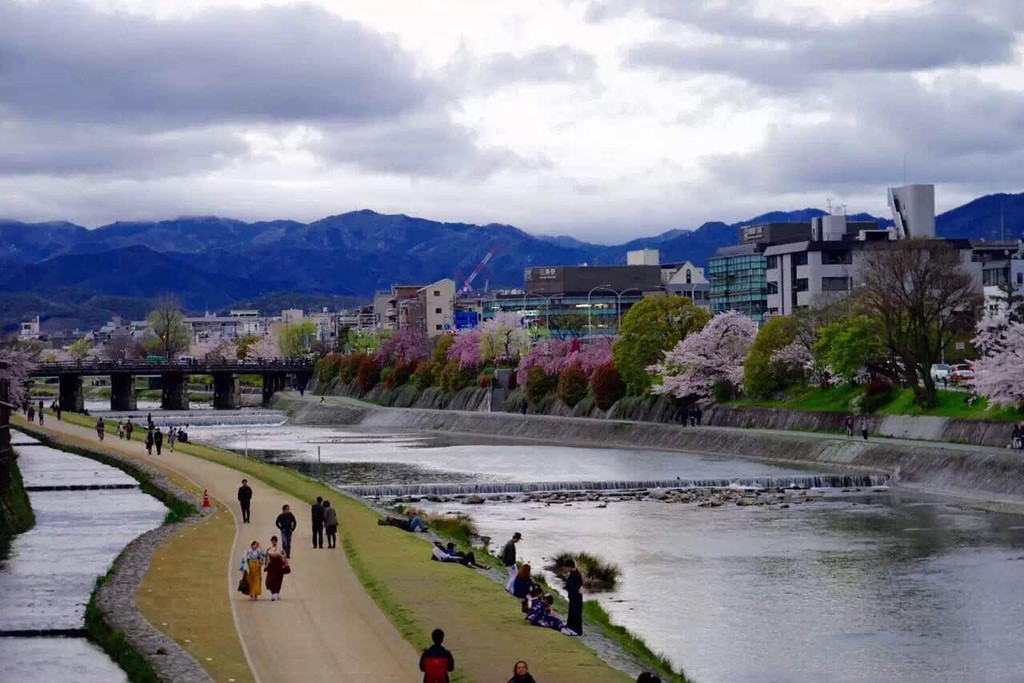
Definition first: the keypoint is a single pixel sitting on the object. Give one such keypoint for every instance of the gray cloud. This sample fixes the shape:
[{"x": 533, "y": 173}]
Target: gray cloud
[
  {"x": 884, "y": 43},
  {"x": 545, "y": 64}
]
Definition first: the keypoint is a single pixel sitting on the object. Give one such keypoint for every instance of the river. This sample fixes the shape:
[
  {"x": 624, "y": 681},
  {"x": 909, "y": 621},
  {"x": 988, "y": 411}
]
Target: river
[
  {"x": 51, "y": 570},
  {"x": 890, "y": 586}
]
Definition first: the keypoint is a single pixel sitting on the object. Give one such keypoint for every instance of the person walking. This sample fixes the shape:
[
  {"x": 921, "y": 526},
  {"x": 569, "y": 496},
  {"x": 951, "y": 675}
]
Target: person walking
[
  {"x": 244, "y": 500},
  {"x": 508, "y": 556},
  {"x": 56, "y": 409},
  {"x": 849, "y": 426},
  {"x": 286, "y": 523},
  {"x": 128, "y": 429},
  {"x": 699, "y": 416},
  {"x": 574, "y": 587},
  {"x": 864, "y": 428},
  {"x": 521, "y": 673},
  {"x": 172, "y": 436},
  {"x": 149, "y": 442},
  {"x": 120, "y": 429},
  {"x": 252, "y": 570},
  {"x": 436, "y": 662},
  {"x": 277, "y": 567},
  {"x": 31, "y": 412},
  {"x": 317, "y": 518},
  {"x": 100, "y": 428},
  {"x": 331, "y": 524},
  {"x": 158, "y": 440},
  {"x": 1015, "y": 437},
  {"x": 40, "y": 412}
]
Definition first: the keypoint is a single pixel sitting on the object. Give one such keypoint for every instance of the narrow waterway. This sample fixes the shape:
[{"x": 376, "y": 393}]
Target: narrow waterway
[
  {"x": 853, "y": 587},
  {"x": 51, "y": 570}
]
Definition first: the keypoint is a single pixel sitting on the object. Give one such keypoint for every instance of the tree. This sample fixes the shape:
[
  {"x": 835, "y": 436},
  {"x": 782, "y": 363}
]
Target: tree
[
  {"x": 16, "y": 364},
  {"x": 169, "y": 335},
  {"x": 404, "y": 346},
  {"x": 465, "y": 348},
  {"x": 295, "y": 339},
  {"x": 700, "y": 361},
  {"x": 368, "y": 373},
  {"x": 214, "y": 346},
  {"x": 120, "y": 347},
  {"x": 362, "y": 342},
  {"x": 762, "y": 374},
  {"x": 555, "y": 355},
  {"x": 850, "y": 345},
  {"x": 266, "y": 348},
  {"x": 81, "y": 349},
  {"x": 999, "y": 373},
  {"x": 567, "y": 326},
  {"x": 502, "y": 338},
  {"x": 923, "y": 299},
  {"x": 607, "y": 385},
  {"x": 649, "y": 329},
  {"x": 539, "y": 384},
  {"x": 572, "y": 385}
]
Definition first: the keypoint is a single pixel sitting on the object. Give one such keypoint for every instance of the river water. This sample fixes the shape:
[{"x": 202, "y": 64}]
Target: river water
[
  {"x": 883, "y": 587},
  {"x": 51, "y": 570}
]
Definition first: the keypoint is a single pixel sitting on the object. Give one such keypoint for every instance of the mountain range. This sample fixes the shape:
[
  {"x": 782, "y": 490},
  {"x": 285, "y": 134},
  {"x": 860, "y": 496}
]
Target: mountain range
[{"x": 66, "y": 272}]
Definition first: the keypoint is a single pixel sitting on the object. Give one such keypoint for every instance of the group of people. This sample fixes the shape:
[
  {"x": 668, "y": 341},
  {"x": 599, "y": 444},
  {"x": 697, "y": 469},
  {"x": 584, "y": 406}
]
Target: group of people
[
  {"x": 692, "y": 415},
  {"x": 154, "y": 435},
  {"x": 538, "y": 606},
  {"x": 31, "y": 413},
  {"x": 1016, "y": 438},
  {"x": 850, "y": 423}
]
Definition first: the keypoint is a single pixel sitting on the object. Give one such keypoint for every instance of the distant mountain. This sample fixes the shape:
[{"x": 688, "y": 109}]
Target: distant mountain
[{"x": 211, "y": 261}]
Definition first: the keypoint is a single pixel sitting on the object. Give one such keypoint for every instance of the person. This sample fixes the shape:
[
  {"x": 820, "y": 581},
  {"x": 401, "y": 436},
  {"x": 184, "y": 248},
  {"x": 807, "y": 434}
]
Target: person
[
  {"x": 508, "y": 556},
  {"x": 317, "y": 518},
  {"x": 647, "y": 676},
  {"x": 574, "y": 587},
  {"x": 128, "y": 429},
  {"x": 276, "y": 565},
  {"x": 40, "y": 412},
  {"x": 849, "y": 426},
  {"x": 158, "y": 440},
  {"x": 693, "y": 417},
  {"x": 521, "y": 673},
  {"x": 286, "y": 523},
  {"x": 523, "y": 582},
  {"x": 441, "y": 553},
  {"x": 149, "y": 420},
  {"x": 321, "y": 399},
  {"x": 31, "y": 413},
  {"x": 542, "y": 614},
  {"x": 244, "y": 500},
  {"x": 57, "y": 409},
  {"x": 252, "y": 569},
  {"x": 120, "y": 429},
  {"x": 331, "y": 524},
  {"x": 100, "y": 428},
  {"x": 436, "y": 662},
  {"x": 698, "y": 415},
  {"x": 149, "y": 442},
  {"x": 172, "y": 436},
  {"x": 864, "y": 428},
  {"x": 1015, "y": 437},
  {"x": 410, "y": 525}
]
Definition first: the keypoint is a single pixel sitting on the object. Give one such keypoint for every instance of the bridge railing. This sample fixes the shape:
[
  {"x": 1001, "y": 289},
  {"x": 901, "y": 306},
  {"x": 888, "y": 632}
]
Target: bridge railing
[{"x": 181, "y": 365}]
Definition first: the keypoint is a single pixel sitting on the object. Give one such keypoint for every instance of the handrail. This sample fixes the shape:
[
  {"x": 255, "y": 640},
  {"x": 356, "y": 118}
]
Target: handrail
[{"x": 196, "y": 366}]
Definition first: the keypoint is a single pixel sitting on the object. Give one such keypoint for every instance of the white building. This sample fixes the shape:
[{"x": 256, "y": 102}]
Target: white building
[
  {"x": 913, "y": 211},
  {"x": 30, "y": 329},
  {"x": 438, "y": 304},
  {"x": 642, "y": 257}
]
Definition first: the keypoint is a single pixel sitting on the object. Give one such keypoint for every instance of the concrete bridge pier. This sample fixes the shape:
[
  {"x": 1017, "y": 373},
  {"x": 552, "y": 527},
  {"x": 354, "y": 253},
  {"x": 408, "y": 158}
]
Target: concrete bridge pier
[
  {"x": 122, "y": 391},
  {"x": 72, "y": 398},
  {"x": 272, "y": 383},
  {"x": 175, "y": 392},
  {"x": 227, "y": 393}
]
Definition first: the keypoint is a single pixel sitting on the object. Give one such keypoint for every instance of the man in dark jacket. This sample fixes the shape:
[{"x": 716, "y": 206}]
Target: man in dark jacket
[
  {"x": 286, "y": 523},
  {"x": 245, "y": 499},
  {"x": 158, "y": 440},
  {"x": 574, "y": 587},
  {"x": 436, "y": 661},
  {"x": 508, "y": 556},
  {"x": 317, "y": 516}
]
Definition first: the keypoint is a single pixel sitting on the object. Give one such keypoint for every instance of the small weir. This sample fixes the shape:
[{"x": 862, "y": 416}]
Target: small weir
[{"x": 498, "y": 488}]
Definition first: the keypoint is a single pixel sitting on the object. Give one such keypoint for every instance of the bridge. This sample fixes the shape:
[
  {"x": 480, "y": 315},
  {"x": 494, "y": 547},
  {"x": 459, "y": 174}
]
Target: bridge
[{"x": 173, "y": 375}]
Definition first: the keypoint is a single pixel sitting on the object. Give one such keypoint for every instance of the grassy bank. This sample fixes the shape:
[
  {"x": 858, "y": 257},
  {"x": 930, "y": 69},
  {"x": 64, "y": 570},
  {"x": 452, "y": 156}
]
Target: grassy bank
[
  {"x": 16, "y": 514},
  {"x": 114, "y": 642}
]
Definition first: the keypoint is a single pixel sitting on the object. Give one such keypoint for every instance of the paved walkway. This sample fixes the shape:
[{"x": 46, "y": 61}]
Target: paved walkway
[{"x": 325, "y": 627}]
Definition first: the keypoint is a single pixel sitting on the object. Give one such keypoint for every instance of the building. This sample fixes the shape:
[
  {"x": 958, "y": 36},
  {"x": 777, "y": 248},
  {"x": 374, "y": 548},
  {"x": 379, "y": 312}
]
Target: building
[
  {"x": 29, "y": 329},
  {"x": 576, "y": 280},
  {"x": 686, "y": 279},
  {"x": 292, "y": 315},
  {"x": 386, "y": 304},
  {"x": 913, "y": 211},
  {"x": 437, "y": 303},
  {"x": 1001, "y": 267},
  {"x": 643, "y": 257}
]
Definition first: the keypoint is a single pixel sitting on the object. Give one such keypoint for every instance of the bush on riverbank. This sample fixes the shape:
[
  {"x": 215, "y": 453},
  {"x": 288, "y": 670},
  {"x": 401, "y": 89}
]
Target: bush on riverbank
[
  {"x": 572, "y": 385},
  {"x": 598, "y": 575}
]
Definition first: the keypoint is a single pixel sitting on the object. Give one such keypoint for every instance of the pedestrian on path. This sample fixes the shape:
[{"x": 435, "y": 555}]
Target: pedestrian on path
[
  {"x": 100, "y": 428},
  {"x": 149, "y": 442},
  {"x": 331, "y": 524},
  {"x": 287, "y": 524},
  {"x": 849, "y": 426},
  {"x": 864, "y": 428},
  {"x": 521, "y": 673},
  {"x": 245, "y": 500},
  {"x": 277, "y": 567},
  {"x": 158, "y": 440},
  {"x": 31, "y": 412},
  {"x": 317, "y": 518},
  {"x": 128, "y": 429},
  {"x": 120, "y": 429},
  {"x": 436, "y": 661},
  {"x": 508, "y": 556},
  {"x": 172, "y": 436},
  {"x": 57, "y": 409},
  {"x": 574, "y": 587},
  {"x": 40, "y": 412},
  {"x": 252, "y": 570}
]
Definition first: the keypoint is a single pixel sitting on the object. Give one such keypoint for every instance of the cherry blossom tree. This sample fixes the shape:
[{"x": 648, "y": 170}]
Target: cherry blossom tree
[
  {"x": 213, "y": 346},
  {"x": 404, "y": 346},
  {"x": 266, "y": 348},
  {"x": 999, "y": 373},
  {"x": 15, "y": 367},
  {"x": 503, "y": 337},
  {"x": 555, "y": 355},
  {"x": 703, "y": 359},
  {"x": 466, "y": 349}
]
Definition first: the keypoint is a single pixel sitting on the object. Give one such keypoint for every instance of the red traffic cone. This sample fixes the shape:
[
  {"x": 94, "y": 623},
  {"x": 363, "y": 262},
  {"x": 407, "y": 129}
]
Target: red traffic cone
[{"x": 206, "y": 499}]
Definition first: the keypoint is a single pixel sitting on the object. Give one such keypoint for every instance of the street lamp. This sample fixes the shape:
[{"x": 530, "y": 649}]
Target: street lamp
[
  {"x": 590, "y": 324},
  {"x": 547, "y": 310},
  {"x": 618, "y": 307}
]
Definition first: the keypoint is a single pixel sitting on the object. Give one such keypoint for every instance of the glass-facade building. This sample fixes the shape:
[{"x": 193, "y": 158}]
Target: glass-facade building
[
  {"x": 738, "y": 281},
  {"x": 601, "y": 311}
]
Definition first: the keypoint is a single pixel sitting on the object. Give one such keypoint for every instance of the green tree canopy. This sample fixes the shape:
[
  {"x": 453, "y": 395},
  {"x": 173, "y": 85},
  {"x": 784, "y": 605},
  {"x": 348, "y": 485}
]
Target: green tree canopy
[
  {"x": 296, "y": 339},
  {"x": 761, "y": 376},
  {"x": 649, "y": 329},
  {"x": 850, "y": 344},
  {"x": 81, "y": 348},
  {"x": 169, "y": 335}
]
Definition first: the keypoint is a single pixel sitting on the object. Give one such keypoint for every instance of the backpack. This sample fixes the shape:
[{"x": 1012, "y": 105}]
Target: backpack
[{"x": 435, "y": 670}]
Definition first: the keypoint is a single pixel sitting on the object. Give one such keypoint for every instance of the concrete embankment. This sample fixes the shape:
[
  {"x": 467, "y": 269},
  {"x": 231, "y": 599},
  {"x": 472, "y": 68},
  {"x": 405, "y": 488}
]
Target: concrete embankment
[{"x": 982, "y": 473}]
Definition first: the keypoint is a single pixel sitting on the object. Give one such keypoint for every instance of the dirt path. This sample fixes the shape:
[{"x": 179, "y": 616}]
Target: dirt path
[{"x": 325, "y": 627}]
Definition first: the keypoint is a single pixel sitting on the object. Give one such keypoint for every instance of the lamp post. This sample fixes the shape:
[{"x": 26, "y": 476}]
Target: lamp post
[
  {"x": 618, "y": 307},
  {"x": 590, "y": 324},
  {"x": 547, "y": 310}
]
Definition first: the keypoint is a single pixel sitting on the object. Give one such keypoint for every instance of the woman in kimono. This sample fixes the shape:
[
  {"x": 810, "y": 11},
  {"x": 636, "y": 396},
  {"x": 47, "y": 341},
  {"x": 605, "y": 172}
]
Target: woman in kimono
[
  {"x": 275, "y": 568},
  {"x": 252, "y": 567}
]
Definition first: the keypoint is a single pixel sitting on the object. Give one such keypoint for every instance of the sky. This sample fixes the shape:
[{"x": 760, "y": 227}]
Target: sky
[{"x": 600, "y": 119}]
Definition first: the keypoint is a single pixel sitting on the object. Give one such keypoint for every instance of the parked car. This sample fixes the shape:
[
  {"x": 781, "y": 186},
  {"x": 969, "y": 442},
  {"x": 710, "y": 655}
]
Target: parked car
[
  {"x": 941, "y": 371},
  {"x": 961, "y": 373}
]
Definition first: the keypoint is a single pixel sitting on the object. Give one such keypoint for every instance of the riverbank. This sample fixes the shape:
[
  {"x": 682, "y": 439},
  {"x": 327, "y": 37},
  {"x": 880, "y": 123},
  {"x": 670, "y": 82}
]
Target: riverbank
[
  {"x": 984, "y": 476},
  {"x": 15, "y": 510}
]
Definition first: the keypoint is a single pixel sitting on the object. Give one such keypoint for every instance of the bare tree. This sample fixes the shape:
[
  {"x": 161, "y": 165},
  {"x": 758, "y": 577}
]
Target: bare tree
[
  {"x": 922, "y": 297},
  {"x": 171, "y": 335},
  {"x": 120, "y": 347}
]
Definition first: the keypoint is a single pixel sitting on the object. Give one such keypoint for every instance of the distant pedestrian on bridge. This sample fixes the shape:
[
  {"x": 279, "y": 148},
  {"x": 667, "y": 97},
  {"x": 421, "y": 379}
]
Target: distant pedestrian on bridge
[
  {"x": 31, "y": 412},
  {"x": 100, "y": 428},
  {"x": 245, "y": 500},
  {"x": 287, "y": 524},
  {"x": 56, "y": 409},
  {"x": 129, "y": 427}
]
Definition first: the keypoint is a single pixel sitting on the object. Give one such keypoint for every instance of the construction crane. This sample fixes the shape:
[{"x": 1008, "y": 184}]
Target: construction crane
[{"x": 467, "y": 283}]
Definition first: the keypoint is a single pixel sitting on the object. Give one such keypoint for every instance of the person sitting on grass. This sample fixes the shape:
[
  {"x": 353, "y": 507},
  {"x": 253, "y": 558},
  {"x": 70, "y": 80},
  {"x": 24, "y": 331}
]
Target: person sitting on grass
[
  {"x": 542, "y": 614},
  {"x": 442, "y": 554},
  {"x": 411, "y": 525},
  {"x": 523, "y": 582},
  {"x": 536, "y": 594}
]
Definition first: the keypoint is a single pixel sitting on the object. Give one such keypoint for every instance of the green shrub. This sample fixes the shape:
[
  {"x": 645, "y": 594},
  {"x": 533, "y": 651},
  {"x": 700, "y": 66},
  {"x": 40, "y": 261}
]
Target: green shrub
[
  {"x": 425, "y": 375},
  {"x": 761, "y": 377},
  {"x": 349, "y": 367},
  {"x": 515, "y": 402},
  {"x": 328, "y": 367},
  {"x": 539, "y": 384},
  {"x": 401, "y": 374},
  {"x": 572, "y": 385},
  {"x": 607, "y": 386},
  {"x": 724, "y": 391},
  {"x": 598, "y": 575},
  {"x": 368, "y": 374},
  {"x": 455, "y": 376}
]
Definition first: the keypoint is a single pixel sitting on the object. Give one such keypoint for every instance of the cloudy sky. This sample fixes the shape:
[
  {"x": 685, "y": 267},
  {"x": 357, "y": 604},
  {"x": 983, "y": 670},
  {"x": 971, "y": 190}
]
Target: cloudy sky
[{"x": 602, "y": 119}]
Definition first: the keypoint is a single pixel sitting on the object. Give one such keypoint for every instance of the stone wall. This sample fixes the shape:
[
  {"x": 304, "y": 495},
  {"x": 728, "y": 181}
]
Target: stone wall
[{"x": 992, "y": 473}]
